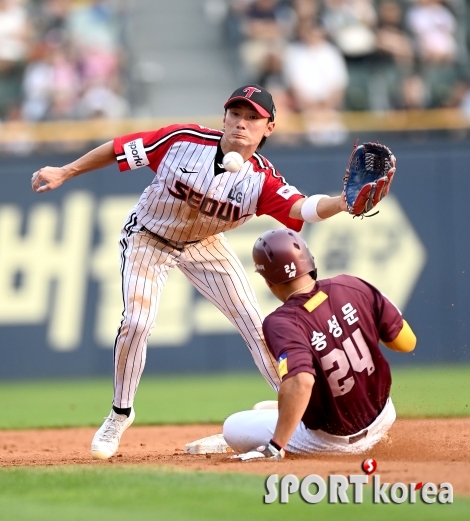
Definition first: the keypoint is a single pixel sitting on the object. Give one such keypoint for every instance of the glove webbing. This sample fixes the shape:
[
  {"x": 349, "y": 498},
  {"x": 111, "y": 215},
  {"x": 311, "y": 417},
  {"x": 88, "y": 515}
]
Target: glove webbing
[{"x": 374, "y": 162}]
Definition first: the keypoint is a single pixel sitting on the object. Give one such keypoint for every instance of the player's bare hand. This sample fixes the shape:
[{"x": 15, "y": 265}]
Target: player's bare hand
[{"x": 48, "y": 178}]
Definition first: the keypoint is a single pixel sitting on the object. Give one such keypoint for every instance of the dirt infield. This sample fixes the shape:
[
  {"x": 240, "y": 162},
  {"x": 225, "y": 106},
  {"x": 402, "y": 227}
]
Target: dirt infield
[{"x": 418, "y": 450}]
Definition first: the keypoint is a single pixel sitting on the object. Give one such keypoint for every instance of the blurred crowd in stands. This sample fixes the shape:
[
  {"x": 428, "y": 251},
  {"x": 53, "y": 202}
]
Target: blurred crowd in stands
[
  {"x": 61, "y": 59},
  {"x": 319, "y": 57},
  {"x": 66, "y": 59}
]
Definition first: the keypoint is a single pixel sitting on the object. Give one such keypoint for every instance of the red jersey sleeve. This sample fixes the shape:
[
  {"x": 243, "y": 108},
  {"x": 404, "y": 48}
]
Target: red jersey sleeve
[
  {"x": 149, "y": 148},
  {"x": 277, "y": 198}
]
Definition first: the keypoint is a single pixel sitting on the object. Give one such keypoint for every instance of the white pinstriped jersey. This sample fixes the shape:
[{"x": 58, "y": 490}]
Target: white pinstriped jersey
[{"x": 188, "y": 199}]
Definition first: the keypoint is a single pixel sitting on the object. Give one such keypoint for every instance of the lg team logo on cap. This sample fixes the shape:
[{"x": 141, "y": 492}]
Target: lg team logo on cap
[{"x": 249, "y": 91}]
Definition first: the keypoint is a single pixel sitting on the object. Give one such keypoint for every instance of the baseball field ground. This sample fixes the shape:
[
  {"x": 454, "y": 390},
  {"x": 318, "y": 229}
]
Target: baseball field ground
[{"x": 46, "y": 472}]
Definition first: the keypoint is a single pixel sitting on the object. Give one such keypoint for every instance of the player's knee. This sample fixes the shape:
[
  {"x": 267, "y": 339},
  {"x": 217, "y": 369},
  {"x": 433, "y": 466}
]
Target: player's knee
[
  {"x": 136, "y": 328},
  {"x": 232, "y": 430},
  {"x": 248, "y": 429}
]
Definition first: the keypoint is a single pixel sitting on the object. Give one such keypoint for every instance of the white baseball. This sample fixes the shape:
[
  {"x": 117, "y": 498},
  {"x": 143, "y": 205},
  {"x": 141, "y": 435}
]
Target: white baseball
[{"x": 232, "y": 161}]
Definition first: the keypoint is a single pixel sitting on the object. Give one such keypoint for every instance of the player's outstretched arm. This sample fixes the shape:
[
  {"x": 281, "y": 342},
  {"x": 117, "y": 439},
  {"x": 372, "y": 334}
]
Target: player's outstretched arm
[
  {"x": 318, "y": 207},
  {"x": 51, "y": 177}
]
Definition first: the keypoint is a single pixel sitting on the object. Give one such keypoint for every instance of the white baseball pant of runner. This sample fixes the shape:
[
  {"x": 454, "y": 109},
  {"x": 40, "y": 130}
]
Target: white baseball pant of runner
[
  {"x": 246, "y": 430},
  {"x": 213, "y": 268}
]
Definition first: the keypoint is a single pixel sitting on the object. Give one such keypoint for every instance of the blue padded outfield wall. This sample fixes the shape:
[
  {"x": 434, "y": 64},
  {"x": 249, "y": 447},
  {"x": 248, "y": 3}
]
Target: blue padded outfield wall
[{"x": 60, "y": 294}]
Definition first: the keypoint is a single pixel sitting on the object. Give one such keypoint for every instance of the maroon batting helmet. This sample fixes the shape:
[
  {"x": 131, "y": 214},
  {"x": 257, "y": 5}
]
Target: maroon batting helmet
[{"x": 282, "y": 255}]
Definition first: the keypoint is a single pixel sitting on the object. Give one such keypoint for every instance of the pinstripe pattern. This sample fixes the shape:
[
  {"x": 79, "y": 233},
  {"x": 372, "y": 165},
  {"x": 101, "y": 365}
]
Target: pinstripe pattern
[
  {"x": 144, "y": 269},
  {"x": 173, "y": 219},
  {"x": 186, "y": 202},
  {"x": 213, "y": 268}
]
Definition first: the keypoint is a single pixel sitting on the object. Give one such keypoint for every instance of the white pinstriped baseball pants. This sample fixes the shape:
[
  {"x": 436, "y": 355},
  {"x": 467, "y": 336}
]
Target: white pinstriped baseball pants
[{"x": 213, "y": 268}]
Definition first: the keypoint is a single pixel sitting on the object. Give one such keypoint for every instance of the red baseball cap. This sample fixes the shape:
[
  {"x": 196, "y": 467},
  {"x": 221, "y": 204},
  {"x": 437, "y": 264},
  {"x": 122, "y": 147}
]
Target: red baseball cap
[{"x": 258, "y": 97}]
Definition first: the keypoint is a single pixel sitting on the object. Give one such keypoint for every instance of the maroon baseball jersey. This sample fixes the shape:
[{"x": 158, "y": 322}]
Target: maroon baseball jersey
[
  {"x": 192, "y": 196},
  {"x": 333, "y": 333}
]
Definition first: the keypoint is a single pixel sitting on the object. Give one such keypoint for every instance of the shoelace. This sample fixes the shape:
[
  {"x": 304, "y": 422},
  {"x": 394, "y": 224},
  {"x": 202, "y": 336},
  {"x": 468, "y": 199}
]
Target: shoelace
[{"x": 112, "y": 428}]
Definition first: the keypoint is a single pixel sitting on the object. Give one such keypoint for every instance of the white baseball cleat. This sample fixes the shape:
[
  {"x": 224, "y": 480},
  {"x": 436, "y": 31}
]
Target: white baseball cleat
[{"x": 106, "y": 440}]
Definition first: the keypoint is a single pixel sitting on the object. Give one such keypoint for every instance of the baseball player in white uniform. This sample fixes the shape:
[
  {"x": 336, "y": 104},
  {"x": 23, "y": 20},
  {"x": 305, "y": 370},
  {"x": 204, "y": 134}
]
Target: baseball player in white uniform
[{"x": 179, "y": 222}]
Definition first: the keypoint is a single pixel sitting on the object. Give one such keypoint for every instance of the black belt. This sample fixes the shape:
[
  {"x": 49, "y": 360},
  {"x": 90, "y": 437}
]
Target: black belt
[
  {"x": 357, "y": 437},
  {"x": 177, "y": 245}
]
